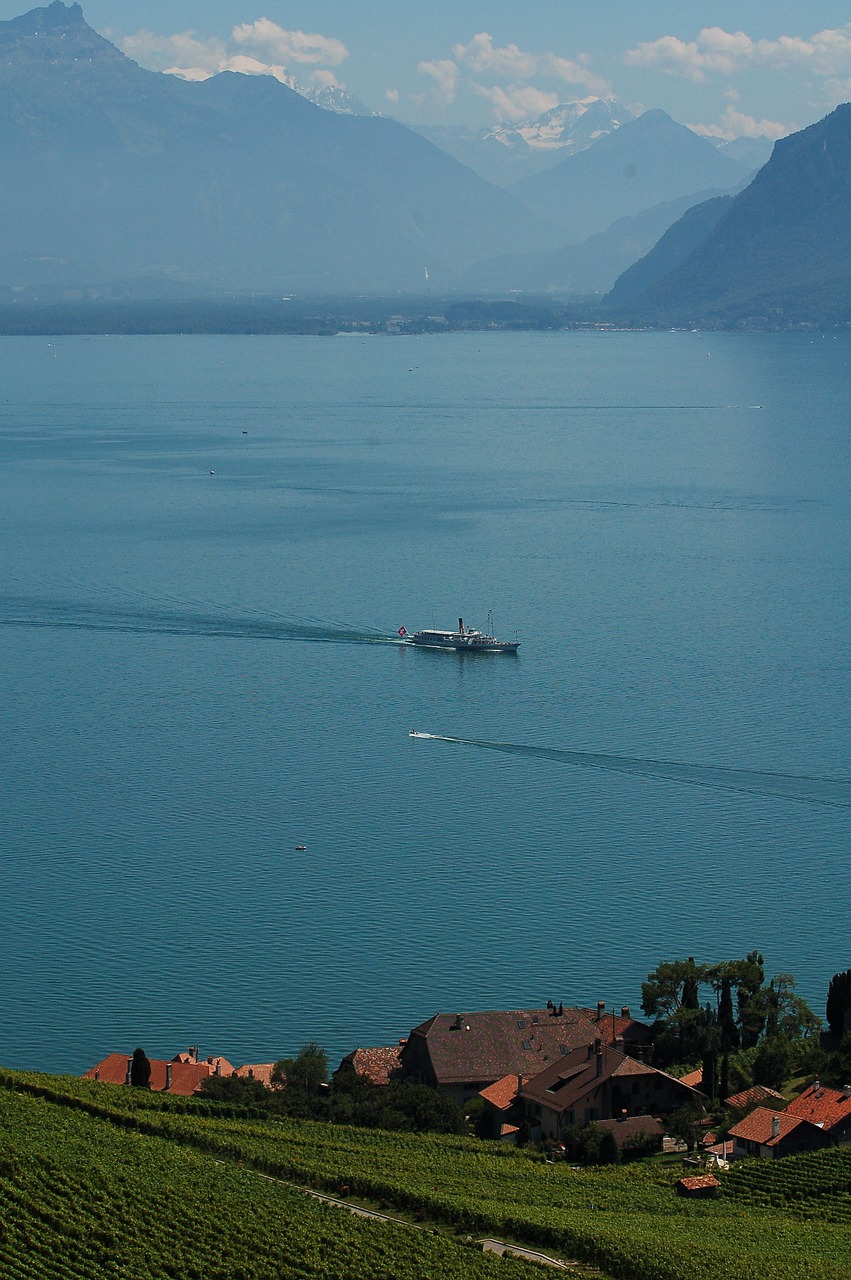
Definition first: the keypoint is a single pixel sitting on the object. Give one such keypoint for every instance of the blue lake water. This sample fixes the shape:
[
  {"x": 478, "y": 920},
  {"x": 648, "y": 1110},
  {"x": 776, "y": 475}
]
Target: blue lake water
[{"x": 208, "y": 545}]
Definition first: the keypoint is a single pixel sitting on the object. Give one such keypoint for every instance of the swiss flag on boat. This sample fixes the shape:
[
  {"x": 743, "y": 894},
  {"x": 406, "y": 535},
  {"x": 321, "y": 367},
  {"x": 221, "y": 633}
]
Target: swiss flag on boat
[{"x": 403, "y": 631}]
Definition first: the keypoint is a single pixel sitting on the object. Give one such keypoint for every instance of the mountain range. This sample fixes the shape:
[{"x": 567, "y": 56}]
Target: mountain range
[
  {"x": 125, "y": 182},
  {"x": 506, "y": 153},
  {"x": 232, "y": 183}
]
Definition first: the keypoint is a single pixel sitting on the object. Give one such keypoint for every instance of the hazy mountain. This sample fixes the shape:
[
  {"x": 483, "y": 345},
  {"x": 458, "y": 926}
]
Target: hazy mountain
[
  {"x": 504, "y": 154},
  {"x": 781, "y": 250},
  {"x": 646, "y": 162},
  {"x": 236, "y": 182},
  {"x": 673, "y": 248},
  {"x": 753, "y": 152},
  {"x": 590, "y": 267},
  {"x": 329, "y": 97}
]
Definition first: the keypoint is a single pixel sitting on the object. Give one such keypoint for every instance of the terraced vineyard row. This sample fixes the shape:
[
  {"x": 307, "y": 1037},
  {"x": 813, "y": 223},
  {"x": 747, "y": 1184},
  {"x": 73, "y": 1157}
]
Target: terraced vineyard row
[
  {"x": 628, "y": 1221},
  {"x": 82, "y": 1200},
  {"x": 816, "y": 1184}
]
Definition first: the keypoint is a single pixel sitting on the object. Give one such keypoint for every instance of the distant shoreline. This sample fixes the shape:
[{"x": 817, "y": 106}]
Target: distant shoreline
[{"x": 367, "y": 316}]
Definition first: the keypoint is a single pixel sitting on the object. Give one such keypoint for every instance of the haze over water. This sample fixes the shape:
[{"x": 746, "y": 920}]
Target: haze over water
[{"x": 209, "y": 544}]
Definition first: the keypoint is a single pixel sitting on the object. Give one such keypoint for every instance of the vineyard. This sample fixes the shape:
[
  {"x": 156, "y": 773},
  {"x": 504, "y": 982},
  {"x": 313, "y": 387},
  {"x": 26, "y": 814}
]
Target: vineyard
[
  {"x": 816, "y": 1185},
  {"x": 767, "y": 1225},
  {"x": 82, "y": 1199}
]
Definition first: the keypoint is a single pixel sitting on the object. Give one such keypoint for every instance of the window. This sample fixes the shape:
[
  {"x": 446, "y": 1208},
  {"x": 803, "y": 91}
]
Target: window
[
  {"x": 527, "y": 1044},
  {"x": 521, "y": 1025}
]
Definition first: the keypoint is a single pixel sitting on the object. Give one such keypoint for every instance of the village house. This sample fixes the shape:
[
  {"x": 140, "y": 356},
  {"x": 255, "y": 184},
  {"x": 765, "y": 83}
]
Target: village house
[
  {"x": 464, "y": 1053},
  {"x": 771, "y": 1134},
  {"x": 597, "y": 1082},
  {"x": 828, "y": 1108},
  {"x": 182, "y": 1075}
]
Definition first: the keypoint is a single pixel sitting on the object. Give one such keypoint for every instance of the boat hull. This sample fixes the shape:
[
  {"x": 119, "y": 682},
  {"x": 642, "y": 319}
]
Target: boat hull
[{"x": 463, "y": 643}]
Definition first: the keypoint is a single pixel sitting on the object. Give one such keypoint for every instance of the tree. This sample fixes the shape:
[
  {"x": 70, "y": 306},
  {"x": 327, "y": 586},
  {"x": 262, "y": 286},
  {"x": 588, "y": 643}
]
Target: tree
[
  {"x": 140, "y": 1070},
  {"x": 838, "y": 1008},
  {"x": 240, "y": 1091},
  {"x": 774, "y": 1061},
  {"x": 748, "y": 976},
  {"x": 685, "y": 1123},
  {"x": 728, "y": 1031},
  {"x": 307, "y": 1070},
  {"x": 673, "y": 985}
]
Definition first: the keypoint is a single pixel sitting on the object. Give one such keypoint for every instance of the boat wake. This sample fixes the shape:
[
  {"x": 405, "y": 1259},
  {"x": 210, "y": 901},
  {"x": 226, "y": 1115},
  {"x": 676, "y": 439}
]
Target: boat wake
[
  {"x": 833, "y": 792},
  {"x": 183, "y": 619}
]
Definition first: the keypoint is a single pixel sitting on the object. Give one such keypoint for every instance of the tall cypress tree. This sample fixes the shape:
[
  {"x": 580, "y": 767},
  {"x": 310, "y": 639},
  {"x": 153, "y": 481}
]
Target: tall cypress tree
[
  {"x": 140, "y": 1070},
  {"x": 838, "y": 1002},
  {"x": 726, "y": 1016}
]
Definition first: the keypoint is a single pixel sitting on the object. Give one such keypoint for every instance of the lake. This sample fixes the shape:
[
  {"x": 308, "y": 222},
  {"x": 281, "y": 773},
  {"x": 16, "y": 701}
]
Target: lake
[{"x": 208, "y": 546}]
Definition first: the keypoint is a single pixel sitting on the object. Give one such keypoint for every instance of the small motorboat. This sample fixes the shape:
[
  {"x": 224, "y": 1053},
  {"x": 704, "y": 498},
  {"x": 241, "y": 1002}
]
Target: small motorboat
[{"x": 301, "y": 848}]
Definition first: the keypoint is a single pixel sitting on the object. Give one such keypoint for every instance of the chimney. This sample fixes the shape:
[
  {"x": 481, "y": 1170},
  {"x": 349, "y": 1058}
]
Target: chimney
[
  {"x": 846, "y": 1091},
  {"x": 598, "y": 1046},
  {"x": 625, "y": 1012},
  {"x": 461, "y": 625},
  {"x": 775, "y": 1127},
  {"x": 218, "y": 1066},
  {"x": 168, "y": 1075},
  {"x": 816, "y": 1085},
  {"x": 601, "y": 1009},
  {"x": 456, "y": 1025},
  {"x": 127, "y": 1078}
]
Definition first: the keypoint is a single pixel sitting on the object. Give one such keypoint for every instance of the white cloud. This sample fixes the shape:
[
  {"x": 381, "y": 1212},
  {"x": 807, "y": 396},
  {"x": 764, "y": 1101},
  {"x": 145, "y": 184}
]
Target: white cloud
[
  {"x": 184, "y": 47},
  {"x": 516, "y": 65},
  {"x": 724, "y": 52},
  {"x": 326, "y": 79},
  {"x": 482, "y": 55},
  {"x": 735, "y": 124},
  {"x": 444, "y": 73},
  {"x": 836, "y": 91},
  {"x": 289, "y": 46},
  {"x": 392, "y": 95},
  {"x": 518, "y": 102}
]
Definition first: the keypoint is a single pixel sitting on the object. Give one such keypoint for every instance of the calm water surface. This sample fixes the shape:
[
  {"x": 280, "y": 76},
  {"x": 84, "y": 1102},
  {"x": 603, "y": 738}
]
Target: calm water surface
[{"x": 208, "y": 544}]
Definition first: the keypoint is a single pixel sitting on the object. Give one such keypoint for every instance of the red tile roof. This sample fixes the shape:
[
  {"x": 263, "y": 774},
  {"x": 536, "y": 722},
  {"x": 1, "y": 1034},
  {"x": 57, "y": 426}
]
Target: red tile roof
[
  {"x": 699, "y": 1182},
  {"x": 750, "y": 1097},
  {"x": 828, "y": 1108},
  {"x": 633, "y": 1127},
  {"x": 759, "y": 1126},
  {"x": 380, "y": 1065},
  {"x": 694, "y": 1079},
  {"x": 561, "y": 1086},
  {"x": 185, "y": 1072},
  {"x": 261, "y": 1071},
  {"x": 501, "y": 1093}
]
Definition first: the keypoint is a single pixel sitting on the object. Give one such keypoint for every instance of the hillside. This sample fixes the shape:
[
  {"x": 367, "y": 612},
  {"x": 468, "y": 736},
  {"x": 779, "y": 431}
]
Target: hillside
[
  {"x": 782, "y": 249},
  {"x": 591, "y": 267},
  {"x": 97, "y": 1176},
  {"x": 113, "y": 172},
  {"x": 670, "y": 251}
]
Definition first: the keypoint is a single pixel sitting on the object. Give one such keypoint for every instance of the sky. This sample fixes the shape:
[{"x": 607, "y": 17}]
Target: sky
[{"x": 751, "y": 68}]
